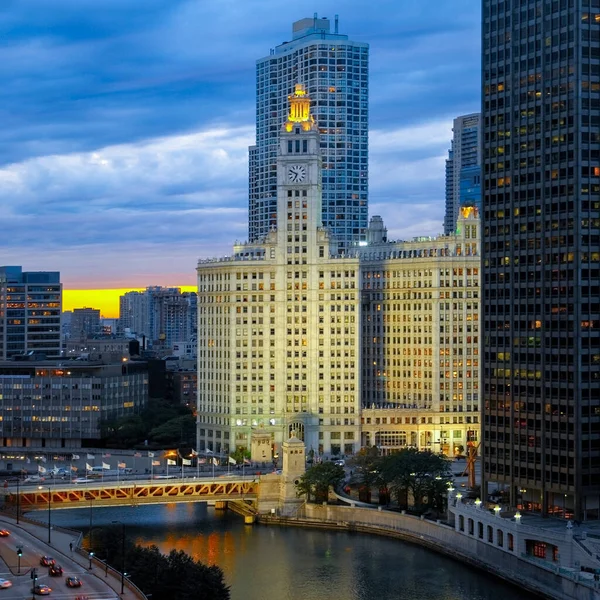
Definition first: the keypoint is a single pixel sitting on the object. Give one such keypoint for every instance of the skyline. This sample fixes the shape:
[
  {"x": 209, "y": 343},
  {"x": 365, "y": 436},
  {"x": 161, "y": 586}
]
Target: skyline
[{"x": 124, "y": 137}]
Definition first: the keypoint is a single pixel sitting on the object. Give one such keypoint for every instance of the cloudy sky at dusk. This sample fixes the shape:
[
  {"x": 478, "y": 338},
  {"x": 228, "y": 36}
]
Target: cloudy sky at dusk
[{"x": 125, "y": 125}]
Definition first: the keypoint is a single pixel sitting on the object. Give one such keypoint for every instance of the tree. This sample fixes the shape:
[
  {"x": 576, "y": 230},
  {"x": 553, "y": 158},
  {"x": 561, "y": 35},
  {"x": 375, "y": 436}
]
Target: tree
[
  {"x": 317, "y": 480},
  {"x": 365, "y": 464},
  {"x": 176, "y": 575},
  {"x": 420, "y": 474}
]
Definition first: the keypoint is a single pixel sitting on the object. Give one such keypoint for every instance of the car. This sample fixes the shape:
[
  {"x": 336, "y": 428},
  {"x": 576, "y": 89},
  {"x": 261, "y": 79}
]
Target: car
[
  {"x": 82, "y": 480},
  {"x": 33, "y": 479},
  {"x": 73, "y": 582},
  {"x": 55, "y": 570},
  {"x": 5, "y": 583},
  {"x": 4, "y": 532},
  {"x": 340, "y": 463},
  {"x": 47, "y": 561},
  {"x": 81, "y": 598},
  {"x": 41, "y": 590}
]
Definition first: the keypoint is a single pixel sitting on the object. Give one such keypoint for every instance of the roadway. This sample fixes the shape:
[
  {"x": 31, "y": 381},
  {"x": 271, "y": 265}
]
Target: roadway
[{"x": 33, "y": 548}]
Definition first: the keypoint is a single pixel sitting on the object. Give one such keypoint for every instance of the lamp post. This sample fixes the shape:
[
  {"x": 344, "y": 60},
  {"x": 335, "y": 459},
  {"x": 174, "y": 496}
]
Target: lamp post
[
  {"x": 91, "y": 522},
  {"x": 18, "y": 498},
  {"x": 122, "y": 554},
  {"x": 90, "y": 556},
  {"x": 41, "y": 487}
]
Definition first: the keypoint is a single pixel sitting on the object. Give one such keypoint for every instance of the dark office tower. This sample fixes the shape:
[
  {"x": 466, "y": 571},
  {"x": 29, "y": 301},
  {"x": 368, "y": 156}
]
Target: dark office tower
[
  {"x": 335, "y": 72},
  {"x": 30, "y": 308},
  {"x": 541, "y": 285}
]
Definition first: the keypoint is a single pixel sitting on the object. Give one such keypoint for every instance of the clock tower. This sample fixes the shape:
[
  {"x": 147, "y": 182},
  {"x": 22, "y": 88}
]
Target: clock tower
[{"x": 299, "y": 168}]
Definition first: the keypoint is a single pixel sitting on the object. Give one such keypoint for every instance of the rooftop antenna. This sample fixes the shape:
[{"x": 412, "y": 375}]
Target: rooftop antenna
[{"x": 336, "y": 24}]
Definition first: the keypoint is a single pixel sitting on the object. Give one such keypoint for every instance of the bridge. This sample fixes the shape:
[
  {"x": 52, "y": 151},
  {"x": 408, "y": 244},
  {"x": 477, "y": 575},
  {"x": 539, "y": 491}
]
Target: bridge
[{"x": 133, "y": 493}]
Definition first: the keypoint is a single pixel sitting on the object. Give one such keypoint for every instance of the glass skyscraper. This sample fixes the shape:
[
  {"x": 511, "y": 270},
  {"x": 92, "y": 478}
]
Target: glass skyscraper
[
  {"x": 335, "y": 73},
  {"x": 541, "y": 254},
  {"x": 463, "y": 168}
]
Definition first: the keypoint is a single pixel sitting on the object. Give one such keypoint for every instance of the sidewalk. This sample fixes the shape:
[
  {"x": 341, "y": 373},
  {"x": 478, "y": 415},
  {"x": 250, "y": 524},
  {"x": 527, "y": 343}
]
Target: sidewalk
[{"x": 61, "y": 540}]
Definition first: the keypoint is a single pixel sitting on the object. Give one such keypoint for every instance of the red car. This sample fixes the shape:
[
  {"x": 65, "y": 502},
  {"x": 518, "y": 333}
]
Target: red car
[
  {"x": 4, "y": 532},
  {"x": 55, "y": 570},
  {"x": 73, "y": 582},
  {"x": 47, "y": 561}
]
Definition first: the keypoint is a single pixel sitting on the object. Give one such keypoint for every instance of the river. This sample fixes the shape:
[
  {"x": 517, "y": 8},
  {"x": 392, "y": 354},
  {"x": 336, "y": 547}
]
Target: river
[{"x": 263, "y": 563}]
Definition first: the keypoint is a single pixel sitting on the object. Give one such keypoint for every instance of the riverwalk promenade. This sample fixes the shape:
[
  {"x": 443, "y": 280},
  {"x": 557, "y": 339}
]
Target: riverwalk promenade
[{"x": 99, "y": 579}]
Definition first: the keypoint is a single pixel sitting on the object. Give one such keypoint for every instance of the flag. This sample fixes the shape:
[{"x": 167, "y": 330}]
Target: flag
[
  {"x": 171, "y": 462},
  {"x": 247, "y": 462},
  {"x": 215, "y": 461},
  {"x": 43, "y": 458},
  {"x": 90, "y": 457},
  {"x": 208, "y": 452},
  {"x": 232, "y": 461},
  {"x": 41, "y": 469},
  {"x": 137, "y": 455},
  {"x": 194, "y": 453},
  {"x": 88, "y": 467},
  {"x": 150, "y": 454},
  {"x": 121, "y": 465},
  {"x": 105, "y": 466},
  {"x": 201, "y": 461},
  {"x": 75, "y": 457},
  {"x": 186, "y": 461},
  {"x": 156, "y": 463},
  {"x": 73, "y": 468},
  {"x": 106, "y": 455}
]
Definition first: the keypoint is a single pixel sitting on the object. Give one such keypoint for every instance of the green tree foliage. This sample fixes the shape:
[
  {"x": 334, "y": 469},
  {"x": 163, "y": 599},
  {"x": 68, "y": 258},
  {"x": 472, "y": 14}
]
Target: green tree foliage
[
  {"x": 166, "y": 577},
  {"x": 160, "y": 422},
  {"x": 240, "y": 454},
  {"x": 417, "y": 475},
  {"x": 317, "y": 480}
]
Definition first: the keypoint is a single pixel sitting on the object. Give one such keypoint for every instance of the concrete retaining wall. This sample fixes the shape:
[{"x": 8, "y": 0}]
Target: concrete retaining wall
[{"x": 443, "y": 538}]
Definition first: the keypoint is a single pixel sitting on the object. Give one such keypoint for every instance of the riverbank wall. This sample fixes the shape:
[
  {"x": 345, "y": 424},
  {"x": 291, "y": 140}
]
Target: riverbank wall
[{"x": 443, "y": 538}]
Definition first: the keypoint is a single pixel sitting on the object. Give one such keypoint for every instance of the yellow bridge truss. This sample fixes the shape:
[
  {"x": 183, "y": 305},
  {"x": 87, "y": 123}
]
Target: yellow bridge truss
[{"x": 135, "y": 493}]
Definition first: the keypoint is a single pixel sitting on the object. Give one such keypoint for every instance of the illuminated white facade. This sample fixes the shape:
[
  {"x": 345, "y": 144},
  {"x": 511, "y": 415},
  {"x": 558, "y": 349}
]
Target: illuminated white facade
[{"x": 278, "y": 321}]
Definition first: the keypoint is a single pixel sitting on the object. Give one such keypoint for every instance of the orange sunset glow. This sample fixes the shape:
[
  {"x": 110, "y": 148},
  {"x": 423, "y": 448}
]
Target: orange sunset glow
[{"x": 107, "y": 300}]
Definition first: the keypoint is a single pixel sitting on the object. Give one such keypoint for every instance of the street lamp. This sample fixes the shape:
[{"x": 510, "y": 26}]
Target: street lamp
[
  {"x": 41, "y": 487},
  {"x": 122, "y": 554},
  {"x": 90, "y": 556}
]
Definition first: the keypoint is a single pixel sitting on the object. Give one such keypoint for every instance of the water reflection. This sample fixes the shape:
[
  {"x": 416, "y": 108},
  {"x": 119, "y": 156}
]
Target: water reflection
[{"x": 261, "y": 563}]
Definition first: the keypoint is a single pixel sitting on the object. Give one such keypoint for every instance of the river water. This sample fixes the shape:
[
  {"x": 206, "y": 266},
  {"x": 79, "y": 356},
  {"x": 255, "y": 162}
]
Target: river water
[{"x": 264, "y": 563}]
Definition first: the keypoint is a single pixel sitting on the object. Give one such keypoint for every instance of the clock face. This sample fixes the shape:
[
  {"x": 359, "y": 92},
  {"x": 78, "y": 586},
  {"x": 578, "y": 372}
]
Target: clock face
[{"x": 297, "y": 173}]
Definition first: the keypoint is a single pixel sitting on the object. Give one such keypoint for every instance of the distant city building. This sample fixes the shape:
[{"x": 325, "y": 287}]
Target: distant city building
[
  {"x": 463, "y": 177},
  {"x": 30, "y": 312},
  {"x": 163, "y": 315},
  {"x": 54, "y": 404},
  {"x": 105, "y": 349},
  {"x": 420, "y": 314},
  {"x": 85, "y": 322},
  {"x": 335, "y": 72},
  {"x": 279, "y": 321}
]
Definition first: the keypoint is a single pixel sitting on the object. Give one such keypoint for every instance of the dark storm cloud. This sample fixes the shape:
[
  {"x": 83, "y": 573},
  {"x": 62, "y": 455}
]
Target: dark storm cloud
[{"x": 126, "y": 123}]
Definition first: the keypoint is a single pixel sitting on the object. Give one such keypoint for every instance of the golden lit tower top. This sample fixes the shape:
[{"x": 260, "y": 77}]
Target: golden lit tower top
[{"x": 299, "y": 110}]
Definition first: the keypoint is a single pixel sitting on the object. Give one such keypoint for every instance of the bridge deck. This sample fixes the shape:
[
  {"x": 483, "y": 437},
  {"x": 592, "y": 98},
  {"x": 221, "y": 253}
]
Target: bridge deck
[{"x": 138, "y": 492}]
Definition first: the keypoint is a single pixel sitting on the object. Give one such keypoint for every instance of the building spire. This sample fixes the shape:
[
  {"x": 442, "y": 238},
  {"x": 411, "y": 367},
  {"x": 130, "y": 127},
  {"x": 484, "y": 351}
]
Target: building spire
[{"x": 299, "y": 110}]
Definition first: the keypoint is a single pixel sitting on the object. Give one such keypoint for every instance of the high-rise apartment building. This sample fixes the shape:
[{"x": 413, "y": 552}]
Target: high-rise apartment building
[
  {"x": 164, "y": 315},
  {"x": 420, "y": 311},
  {"x": 30, "y": 312},
  {"x": 541, "y": 254},
  {"x": 462, "y": 168},
  {"x": 278, "y": 331},
  {"x": 335, "y": 72}
]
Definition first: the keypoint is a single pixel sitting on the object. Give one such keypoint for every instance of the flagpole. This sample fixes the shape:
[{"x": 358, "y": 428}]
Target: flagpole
[
  {"x": 213, "y": 464},
  {"x": 152, "y": 468},
  {"x": 167, "y": 468}
]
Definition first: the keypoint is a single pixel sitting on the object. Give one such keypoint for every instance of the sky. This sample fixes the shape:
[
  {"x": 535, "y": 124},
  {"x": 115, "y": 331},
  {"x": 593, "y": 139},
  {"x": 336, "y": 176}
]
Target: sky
[{"x": 126, "y": 124}]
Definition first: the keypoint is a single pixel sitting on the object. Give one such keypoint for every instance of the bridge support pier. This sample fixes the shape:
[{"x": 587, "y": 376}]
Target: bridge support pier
[{"x": 221, "y": 505}]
